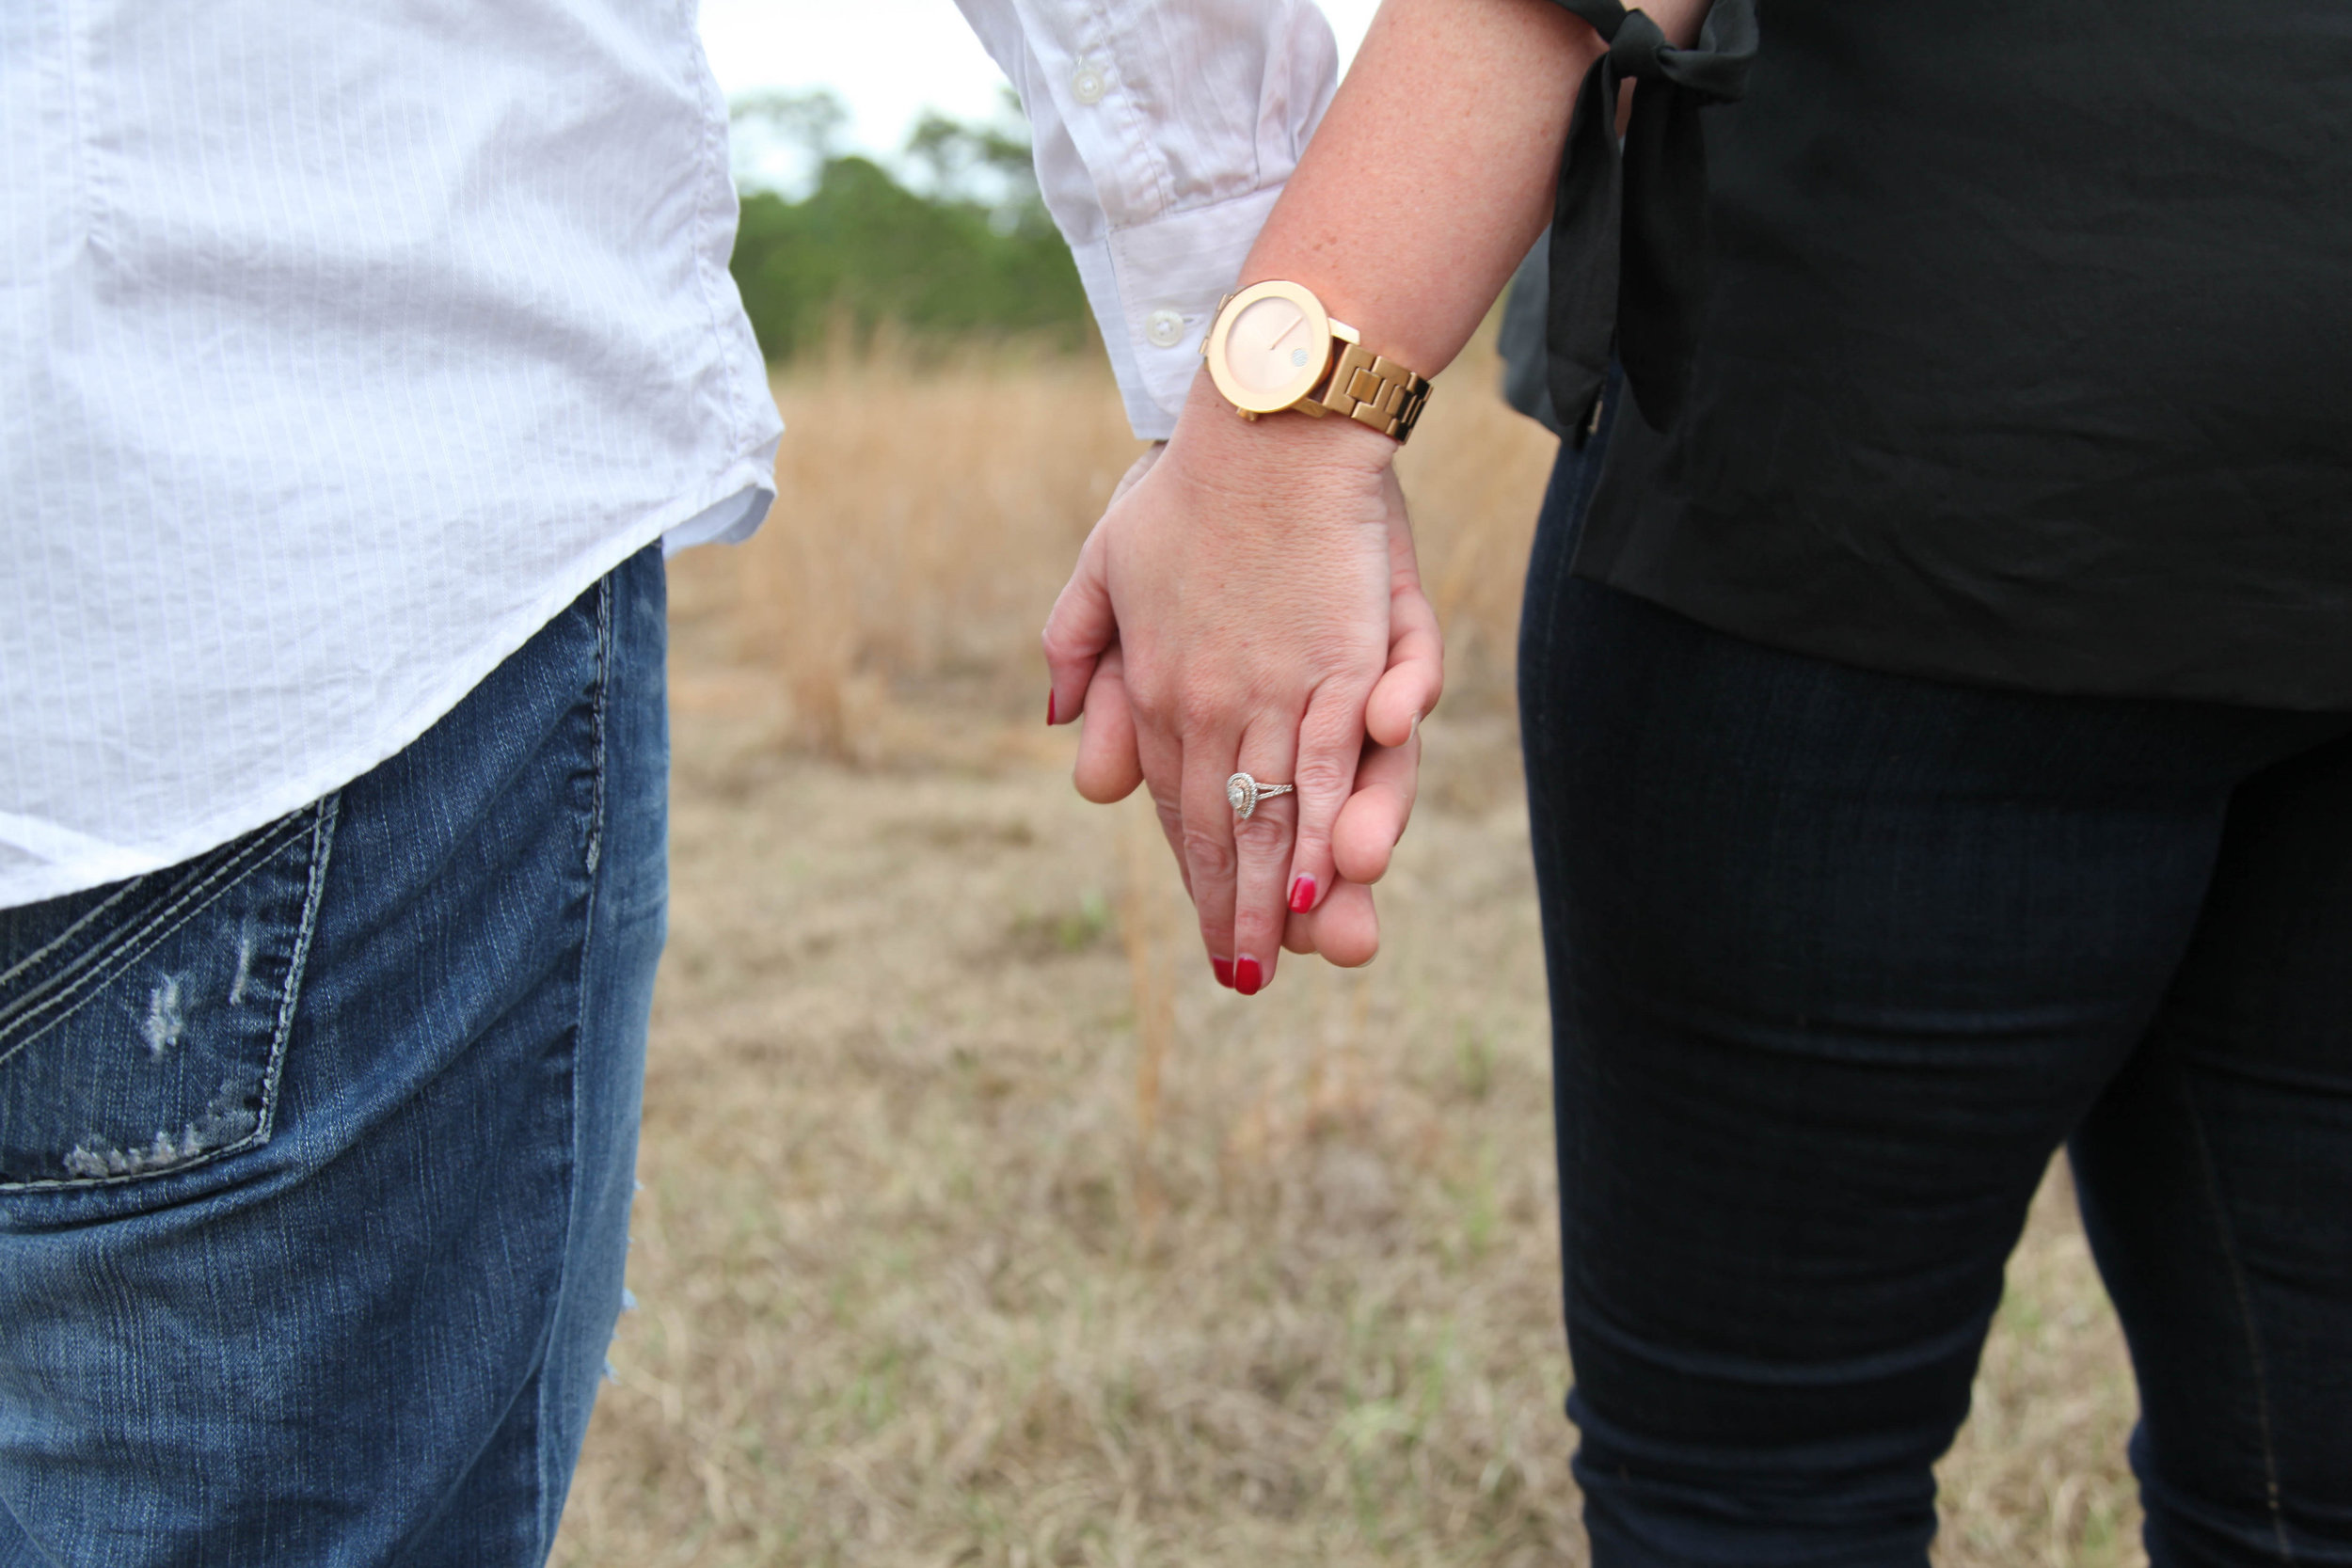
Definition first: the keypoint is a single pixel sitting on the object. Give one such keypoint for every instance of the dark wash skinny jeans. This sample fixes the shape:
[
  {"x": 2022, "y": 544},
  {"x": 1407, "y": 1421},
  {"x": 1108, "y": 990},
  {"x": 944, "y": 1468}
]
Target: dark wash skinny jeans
[{"x": 1837, "y": 959}]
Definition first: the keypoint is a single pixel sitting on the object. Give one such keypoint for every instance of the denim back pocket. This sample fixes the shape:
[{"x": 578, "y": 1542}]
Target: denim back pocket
[{"x": 142, "y": 1025}]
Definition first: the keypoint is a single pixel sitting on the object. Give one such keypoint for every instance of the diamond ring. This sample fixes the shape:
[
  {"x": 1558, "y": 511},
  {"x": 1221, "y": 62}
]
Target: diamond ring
[{"x": 1246, "y": 792}]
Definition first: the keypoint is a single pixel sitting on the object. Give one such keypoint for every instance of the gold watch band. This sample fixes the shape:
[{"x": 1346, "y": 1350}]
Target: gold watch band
[
  {"x": 1376, "y": 391},
  {"x": 1365, "y": 387}
]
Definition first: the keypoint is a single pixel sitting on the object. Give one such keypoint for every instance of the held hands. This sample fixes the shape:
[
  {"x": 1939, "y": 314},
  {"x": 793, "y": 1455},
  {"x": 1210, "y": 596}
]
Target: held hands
[{"x": 1251, "y": 603}]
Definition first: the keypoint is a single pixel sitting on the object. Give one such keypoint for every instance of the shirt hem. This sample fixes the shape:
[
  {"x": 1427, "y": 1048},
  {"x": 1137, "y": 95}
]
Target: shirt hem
[
  {"x": 746, "y": 484},
  {"x": 2031, "y": 660}
]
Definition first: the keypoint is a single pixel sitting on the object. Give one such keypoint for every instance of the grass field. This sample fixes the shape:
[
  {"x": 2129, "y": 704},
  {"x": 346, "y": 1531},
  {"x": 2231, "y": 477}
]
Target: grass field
[{"x": 980, "y": 1227}]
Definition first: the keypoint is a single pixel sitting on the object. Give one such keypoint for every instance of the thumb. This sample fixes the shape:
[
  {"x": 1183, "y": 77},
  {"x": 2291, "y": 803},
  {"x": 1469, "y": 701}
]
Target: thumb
[
  {"x": 1345, "y": 929},
  {"x": 1109, "y": 766},
  {"x": 1415, "y": 677},
  {"x": 1077, "y": 633}
]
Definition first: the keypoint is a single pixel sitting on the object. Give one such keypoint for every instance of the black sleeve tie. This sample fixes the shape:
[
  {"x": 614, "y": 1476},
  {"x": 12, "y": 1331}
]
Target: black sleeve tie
[{"x": 1628, "y": 230}]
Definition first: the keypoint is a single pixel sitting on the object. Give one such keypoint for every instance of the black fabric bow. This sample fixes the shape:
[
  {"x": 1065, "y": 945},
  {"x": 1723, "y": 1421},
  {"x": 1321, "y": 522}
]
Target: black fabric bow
[{"x": 1628, "y": 230}]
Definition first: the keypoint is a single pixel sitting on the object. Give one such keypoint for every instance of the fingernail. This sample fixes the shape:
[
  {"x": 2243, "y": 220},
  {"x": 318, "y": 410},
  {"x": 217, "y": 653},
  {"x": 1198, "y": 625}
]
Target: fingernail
[
  {"x": 1246, "y": 975},
  {"x": 1302, "y": 895},
  {"x": 1223, "y": 969},
  {"x": 1049, "y": 708}
]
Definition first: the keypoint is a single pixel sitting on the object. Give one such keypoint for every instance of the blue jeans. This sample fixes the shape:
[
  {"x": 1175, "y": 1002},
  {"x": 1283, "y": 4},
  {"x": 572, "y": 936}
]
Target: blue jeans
[
  {"x": 1839, "y": 959},
  {"x": 316, "y": 1152}
]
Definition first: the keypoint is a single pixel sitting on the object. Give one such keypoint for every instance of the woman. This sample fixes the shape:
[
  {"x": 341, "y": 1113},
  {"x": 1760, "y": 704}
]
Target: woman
[{"x": 1939, "y": 738}]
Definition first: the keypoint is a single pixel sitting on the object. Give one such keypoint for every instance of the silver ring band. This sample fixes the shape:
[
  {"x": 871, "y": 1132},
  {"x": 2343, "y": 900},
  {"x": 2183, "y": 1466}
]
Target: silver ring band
[{"x": 1244, "y": 793}]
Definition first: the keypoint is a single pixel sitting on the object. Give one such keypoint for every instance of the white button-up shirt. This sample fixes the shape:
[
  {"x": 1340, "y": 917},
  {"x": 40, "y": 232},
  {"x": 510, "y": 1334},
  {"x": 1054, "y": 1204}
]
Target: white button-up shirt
[
  {"x": 1165, "y": 129},
  {"x": 341, "y": 347}
]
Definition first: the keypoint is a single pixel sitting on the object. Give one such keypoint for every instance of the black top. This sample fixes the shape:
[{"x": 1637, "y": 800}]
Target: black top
[{"x": 2026, "y": 353}]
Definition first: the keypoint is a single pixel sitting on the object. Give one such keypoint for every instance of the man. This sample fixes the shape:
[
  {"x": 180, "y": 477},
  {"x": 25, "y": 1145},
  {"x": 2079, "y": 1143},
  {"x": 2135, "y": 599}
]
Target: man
[{"x": 361, "y": 365}]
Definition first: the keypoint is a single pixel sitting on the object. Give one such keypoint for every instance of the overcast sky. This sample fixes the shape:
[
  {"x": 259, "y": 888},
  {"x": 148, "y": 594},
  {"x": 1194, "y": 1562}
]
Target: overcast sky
[{"x": 887, "y": 60}]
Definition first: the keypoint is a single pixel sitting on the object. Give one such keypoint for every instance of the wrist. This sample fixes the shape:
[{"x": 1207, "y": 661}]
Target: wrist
[{"x": 1210, "y": 431}]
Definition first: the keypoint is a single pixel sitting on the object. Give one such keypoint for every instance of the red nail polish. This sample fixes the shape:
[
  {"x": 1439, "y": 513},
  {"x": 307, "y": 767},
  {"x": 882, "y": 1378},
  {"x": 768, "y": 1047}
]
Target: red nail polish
[
  {"x": 1049, "y": 708},
  {"x": 1302, "y": 895},
  {"x": 1223, "y": 969},
  {"x": 1247, "y": 976}
]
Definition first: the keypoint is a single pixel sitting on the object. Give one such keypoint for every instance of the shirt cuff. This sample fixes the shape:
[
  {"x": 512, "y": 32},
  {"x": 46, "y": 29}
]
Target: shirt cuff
[{"x": 1154, "y": 287}]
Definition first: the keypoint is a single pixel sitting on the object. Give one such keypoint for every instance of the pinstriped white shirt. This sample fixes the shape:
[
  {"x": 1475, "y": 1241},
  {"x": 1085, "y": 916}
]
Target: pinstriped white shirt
[
  {"x": 341, "y": 346},
  {"x": 1165, "y": 129}
]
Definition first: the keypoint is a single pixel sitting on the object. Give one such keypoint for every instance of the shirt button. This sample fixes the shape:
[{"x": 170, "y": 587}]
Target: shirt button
[
  {"x": 1086, "y": 83},
  {"x": 1166, "y": 328}
]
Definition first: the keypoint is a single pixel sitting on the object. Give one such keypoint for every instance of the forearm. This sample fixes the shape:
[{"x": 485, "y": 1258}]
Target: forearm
[
  {"x": 1433, "y": 169},
  {"x": 1256, "y": 579}
]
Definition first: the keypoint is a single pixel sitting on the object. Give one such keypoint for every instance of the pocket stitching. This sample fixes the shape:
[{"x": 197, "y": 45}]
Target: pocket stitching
[
  {"x": 108, "y": 960},
  {"x": 67, "y": 935},
  {"x": 322, "y": 838},
  {"x": 107, "y": 957}
]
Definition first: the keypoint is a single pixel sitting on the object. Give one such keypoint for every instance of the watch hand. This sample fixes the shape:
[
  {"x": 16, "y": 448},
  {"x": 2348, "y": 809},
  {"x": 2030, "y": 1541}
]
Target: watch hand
[{"x": 1297, "y": 321}]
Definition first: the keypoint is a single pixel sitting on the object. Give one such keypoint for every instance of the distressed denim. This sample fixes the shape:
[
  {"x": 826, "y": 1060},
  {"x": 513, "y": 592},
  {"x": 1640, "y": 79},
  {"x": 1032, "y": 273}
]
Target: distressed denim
[
  {"x": 1839, "y": 959},
  {"x": 316, "y": 1152}
]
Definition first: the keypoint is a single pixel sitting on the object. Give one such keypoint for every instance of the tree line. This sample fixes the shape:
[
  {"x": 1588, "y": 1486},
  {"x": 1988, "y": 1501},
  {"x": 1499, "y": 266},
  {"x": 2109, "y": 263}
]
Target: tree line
[{"x": 960, "y": 246}]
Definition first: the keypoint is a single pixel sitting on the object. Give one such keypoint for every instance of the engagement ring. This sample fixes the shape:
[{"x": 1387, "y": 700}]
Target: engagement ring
[{"x": 1246, "y": 792}]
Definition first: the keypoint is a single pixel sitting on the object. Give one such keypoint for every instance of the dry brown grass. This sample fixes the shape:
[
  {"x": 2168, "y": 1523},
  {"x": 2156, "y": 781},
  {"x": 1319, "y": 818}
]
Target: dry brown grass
[{"x": 980, "y": 1228}]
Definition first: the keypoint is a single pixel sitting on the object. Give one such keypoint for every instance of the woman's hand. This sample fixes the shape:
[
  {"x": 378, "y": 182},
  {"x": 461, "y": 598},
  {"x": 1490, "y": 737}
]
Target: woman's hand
[
  {"x": 1343, "y": 928},
  {"x": 1252, "y": 596}
]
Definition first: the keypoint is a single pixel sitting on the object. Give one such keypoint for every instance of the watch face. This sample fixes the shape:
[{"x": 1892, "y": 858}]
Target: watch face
[{"x": 1270, "y": 346}]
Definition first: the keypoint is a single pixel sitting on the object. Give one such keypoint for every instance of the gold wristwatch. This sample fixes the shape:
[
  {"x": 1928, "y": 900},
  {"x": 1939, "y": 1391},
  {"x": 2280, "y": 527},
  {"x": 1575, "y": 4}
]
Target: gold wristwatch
[{"x": 1273, "y": 346}]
